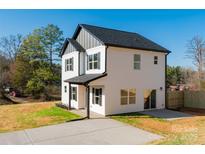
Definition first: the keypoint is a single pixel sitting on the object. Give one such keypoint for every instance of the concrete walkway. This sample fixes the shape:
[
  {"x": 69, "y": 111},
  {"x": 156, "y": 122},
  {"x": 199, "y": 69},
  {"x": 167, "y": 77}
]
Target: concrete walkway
[
  {"x": 85, "y": 132},
  {"x": 167, "y": 114}
]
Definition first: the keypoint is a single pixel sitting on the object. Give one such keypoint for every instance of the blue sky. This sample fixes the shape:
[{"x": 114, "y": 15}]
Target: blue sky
[{"x": 170, "y": 28}]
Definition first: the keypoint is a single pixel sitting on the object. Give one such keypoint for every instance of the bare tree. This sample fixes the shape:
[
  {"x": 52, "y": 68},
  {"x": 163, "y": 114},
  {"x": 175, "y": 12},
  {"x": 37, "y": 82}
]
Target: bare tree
[
  {"x": 196, "y": 52},
  {"x": 10, "y": 45},
  {"x": 4, "y": 71}
]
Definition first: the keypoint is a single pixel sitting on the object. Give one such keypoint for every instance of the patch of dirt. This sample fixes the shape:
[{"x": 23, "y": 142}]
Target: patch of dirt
[{"x": 194, "y": 111}]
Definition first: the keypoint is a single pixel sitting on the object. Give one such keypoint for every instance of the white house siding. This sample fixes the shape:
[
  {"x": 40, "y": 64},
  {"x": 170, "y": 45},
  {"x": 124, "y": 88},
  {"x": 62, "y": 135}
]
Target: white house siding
[
  {"x": 99, "y": 83},
  {"x": 121, "y": 75},
  {"x": 81, "y": 97},
  {"x": 68, "y": 74},
  {"x": 94, "y": 50}
]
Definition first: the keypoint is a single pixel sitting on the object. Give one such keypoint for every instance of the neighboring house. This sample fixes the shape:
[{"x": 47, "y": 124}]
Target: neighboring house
[{"x": 116, "y": 71}]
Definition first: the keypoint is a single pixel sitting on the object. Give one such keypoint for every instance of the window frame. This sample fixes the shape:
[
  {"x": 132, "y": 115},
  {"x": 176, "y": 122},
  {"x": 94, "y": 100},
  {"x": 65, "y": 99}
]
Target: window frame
[
  {"x": 93, "y": 60},
  {"x": 97, "y": 96},
  {"x": 69, "y": 64},
  {"x": 128, "y": 96},
  {"x": 156, "y": 60},
  {"x": 123, "y": 96},
  {"x": 65, "y": 89},
  {"x": 74, "y": 93},
  {"x": 136, "y": 62}
]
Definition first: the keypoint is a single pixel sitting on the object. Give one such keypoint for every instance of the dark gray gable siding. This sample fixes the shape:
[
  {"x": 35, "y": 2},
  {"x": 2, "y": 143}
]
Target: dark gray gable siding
[
  {"x": 70, "y": 48},
  {"x": 86, "y": 40}
]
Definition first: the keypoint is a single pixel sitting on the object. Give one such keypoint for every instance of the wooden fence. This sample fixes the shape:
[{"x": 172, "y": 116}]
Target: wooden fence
[
  {"x": 175, "y": 99},
  {"x": 192, "y": 99}
]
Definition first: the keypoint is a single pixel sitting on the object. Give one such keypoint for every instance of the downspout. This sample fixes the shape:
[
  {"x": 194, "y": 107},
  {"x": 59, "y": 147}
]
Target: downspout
[
  {"x": 166, "y": 80},
  {"x": 106, "y": 59},
  {"x": 88, "y": 100}
]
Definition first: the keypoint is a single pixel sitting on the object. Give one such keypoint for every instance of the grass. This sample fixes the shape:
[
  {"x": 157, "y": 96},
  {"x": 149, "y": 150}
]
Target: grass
[
  {"x": 181, "y": 131},
  {"x": 24, "y": 116}
]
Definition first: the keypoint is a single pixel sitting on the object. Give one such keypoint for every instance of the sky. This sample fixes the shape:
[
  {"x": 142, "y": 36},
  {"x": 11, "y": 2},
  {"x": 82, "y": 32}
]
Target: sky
[{"x": 170, "y": 28}]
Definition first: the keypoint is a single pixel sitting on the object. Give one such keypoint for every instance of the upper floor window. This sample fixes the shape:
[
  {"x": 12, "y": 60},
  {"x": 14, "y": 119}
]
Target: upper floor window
[
  {"x": 155, "y": 59},
  {"x": 93, "y": 61},
  {"x": 137, "y": 61},
  {"x": 69, "y": 64}
]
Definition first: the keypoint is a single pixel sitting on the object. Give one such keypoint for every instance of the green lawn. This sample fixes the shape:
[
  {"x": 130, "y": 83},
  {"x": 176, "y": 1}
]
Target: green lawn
[
  {"x": 181, "y": 131},
  {"x": 23, "y": 116}
]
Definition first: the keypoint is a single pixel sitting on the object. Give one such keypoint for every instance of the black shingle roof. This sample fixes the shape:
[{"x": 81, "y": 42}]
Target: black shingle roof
[
  {"x": 86, "y": 78},
  {"x": 76, "y": 45},
  {"x": 119, "y": 38}
]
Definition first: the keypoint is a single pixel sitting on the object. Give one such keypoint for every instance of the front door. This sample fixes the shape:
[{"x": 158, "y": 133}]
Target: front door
[{"x": 149, "y": 99}]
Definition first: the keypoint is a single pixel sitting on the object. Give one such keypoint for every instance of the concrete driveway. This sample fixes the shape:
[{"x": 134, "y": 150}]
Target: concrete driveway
[{"x": 94, "y": 131}]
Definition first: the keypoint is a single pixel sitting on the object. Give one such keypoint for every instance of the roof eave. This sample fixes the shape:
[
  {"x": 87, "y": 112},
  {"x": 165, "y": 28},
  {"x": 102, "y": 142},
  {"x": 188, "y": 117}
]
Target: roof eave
[
  {"x": 114, "y": 45},
  {"x": 87, "y": 82},
  {"x": 64, "y": 47}
]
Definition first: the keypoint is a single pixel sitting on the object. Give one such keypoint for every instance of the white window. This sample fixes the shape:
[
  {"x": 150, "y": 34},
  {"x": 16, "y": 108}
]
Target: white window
[
  {"x": 155, "y": 59},
  {"x": 65, "y": 89},
  {"x": 137, "y": 61},
  {"x": 97, "y": 96},
  {"x": 74, "y": 93},
  {"x": 93, "y": 61},
  {"x": 128, "y": 96},
  {"x": 69, "y": 64}
]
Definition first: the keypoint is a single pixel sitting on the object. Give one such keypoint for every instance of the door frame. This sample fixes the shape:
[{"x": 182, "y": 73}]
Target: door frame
[{"x": 150, "y": 100}]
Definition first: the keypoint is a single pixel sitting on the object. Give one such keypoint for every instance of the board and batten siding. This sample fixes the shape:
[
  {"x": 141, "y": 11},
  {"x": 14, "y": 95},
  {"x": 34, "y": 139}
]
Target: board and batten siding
[
  {"x": 86, "y": 40},
  {"x": 70, "y": 48}
]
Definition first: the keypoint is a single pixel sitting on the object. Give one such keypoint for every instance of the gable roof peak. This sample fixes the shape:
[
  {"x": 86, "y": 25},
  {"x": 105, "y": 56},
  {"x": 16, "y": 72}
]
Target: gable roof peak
[{"x": 119, "y": 38}]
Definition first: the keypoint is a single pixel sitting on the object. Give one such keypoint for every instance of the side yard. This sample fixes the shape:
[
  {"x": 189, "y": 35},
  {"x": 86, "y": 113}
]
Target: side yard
[
  {"x": 181, "y": 131},
  {"x": 23, "y": 116}
]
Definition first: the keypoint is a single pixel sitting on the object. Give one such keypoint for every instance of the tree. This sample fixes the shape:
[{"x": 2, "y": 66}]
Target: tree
[
  {"x": 4, "y": 72},
  {"x": 21, "y": 72},
  {"x": 52, "y": 41},
  {"x": 196, "y": 52},
  {"x": 175, "y": 75},
  {"x": 10, "y": 45},
  {"x": 36, "y": 66}
]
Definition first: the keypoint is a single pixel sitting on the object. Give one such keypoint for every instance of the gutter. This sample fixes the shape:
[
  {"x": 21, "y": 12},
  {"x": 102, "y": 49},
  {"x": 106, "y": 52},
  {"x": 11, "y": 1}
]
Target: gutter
[{"x": 165, "y": 84}]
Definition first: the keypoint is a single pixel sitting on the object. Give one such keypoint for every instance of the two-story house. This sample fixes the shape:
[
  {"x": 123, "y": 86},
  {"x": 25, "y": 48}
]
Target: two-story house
[{"x": 112, "y": 71}]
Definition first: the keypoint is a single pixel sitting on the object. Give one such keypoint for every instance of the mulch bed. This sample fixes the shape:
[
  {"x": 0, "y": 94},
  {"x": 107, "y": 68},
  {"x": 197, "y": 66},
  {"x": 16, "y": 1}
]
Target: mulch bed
[{"x": 194, "y": 111}]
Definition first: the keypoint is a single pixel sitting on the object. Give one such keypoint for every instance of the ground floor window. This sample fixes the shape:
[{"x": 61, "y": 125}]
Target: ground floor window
[
  {"x": 128, "y": 96},
  {"x": 149, "y": 99},
  {"x": 74, "y": 93},
  {"x": 97, "y": 96}
]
